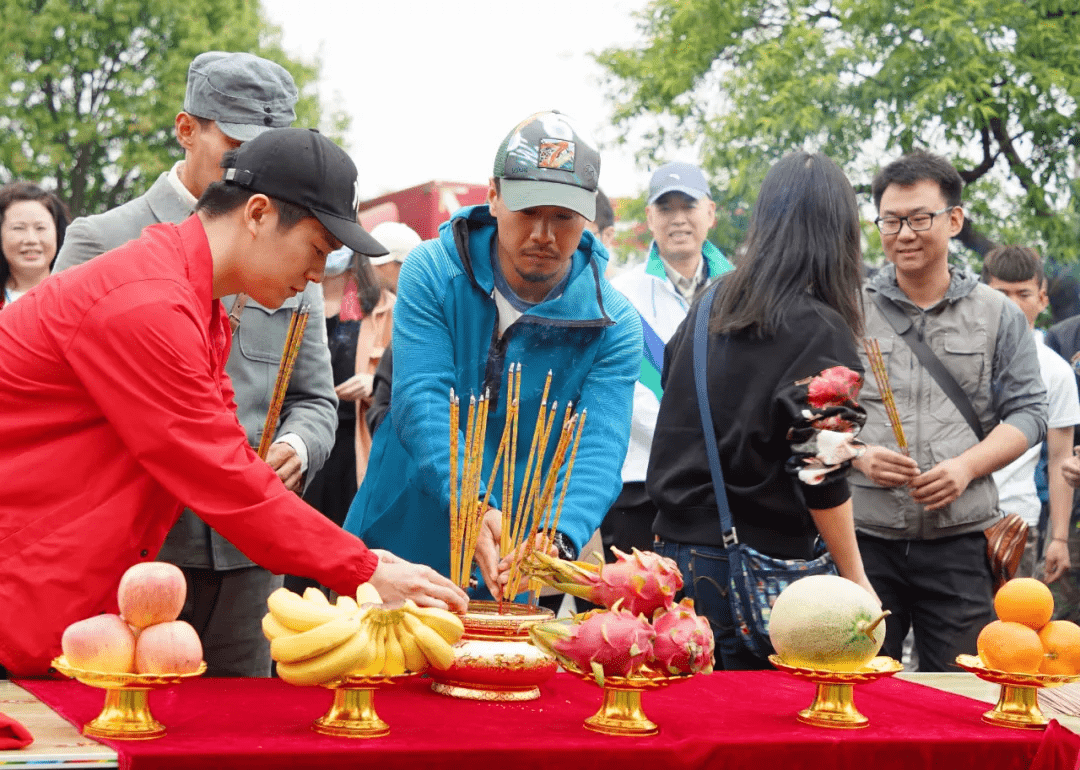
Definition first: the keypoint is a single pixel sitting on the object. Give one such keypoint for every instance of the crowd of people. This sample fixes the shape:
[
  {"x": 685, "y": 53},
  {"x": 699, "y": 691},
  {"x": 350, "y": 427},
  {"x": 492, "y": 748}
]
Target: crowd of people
[{"x": 140, "y": 349}]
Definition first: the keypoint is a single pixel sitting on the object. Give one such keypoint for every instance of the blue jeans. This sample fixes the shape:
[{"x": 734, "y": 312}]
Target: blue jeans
[{"x": 705, "y": 580}]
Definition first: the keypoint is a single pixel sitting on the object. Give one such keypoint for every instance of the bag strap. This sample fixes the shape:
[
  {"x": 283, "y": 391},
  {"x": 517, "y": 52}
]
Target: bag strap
[
  {"x": 902, "y": 325},
  {"x": 701, "y": 338}
]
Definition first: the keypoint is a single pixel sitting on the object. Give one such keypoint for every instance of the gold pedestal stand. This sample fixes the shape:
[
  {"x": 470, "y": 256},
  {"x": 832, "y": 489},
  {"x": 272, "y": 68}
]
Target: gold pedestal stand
[
  {"x": 352, "y": 714},
  {"x": 1018, "y": 703},
  {"x": 495, "y": 660},
  {"x": 126, "y": 714},
  {"x": 834, "y": 698},
  {"x": 621, "y": 712}
]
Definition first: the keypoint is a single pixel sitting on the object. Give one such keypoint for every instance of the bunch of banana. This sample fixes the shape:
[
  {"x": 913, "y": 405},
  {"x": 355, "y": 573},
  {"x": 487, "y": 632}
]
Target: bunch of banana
[{"x": 315, "y": 641}]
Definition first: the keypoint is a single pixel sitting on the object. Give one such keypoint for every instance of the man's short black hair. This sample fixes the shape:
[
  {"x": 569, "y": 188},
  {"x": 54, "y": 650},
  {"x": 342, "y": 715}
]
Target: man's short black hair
[
  {"x": 1013, "y": 264},
  {"x": 913, "y": 168}
]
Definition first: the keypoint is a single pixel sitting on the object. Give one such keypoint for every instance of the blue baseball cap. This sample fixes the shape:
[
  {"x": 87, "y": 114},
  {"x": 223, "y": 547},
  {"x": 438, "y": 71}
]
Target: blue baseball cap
[{"x": 678, "y": 177}]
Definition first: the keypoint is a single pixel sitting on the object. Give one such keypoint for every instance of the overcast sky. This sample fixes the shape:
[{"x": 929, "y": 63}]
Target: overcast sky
[{"x": 433, "y": 87}]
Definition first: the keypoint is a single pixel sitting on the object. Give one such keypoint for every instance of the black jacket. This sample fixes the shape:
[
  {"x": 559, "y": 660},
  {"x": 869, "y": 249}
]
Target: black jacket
[{"x": 766, "y": 424}]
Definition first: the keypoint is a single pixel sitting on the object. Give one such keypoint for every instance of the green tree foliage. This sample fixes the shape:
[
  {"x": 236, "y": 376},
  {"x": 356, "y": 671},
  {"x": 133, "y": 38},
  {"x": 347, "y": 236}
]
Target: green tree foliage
[
  {"x": 994, "y": 86},
  {"x": 89, "y": 89}
]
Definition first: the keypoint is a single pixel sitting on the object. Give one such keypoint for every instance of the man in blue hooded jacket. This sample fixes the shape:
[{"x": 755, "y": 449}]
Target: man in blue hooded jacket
[{"x": 517, "y": 280}]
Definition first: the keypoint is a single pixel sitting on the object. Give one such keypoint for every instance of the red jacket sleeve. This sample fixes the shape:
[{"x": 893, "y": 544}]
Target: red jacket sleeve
[{"x": 143, "y": 355}]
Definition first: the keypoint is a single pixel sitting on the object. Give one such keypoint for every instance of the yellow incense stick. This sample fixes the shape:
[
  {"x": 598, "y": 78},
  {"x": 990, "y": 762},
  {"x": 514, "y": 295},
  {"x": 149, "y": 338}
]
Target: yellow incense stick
[
  {"x": 454, "y": 537},
  {"x": 293, "y": 338}
]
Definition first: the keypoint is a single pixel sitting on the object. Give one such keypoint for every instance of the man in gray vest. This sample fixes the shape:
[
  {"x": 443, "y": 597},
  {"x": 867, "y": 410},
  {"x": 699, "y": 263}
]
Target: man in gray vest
[
  {"x": 231, "y": 98},
  {"x": 920, "y": 518}
]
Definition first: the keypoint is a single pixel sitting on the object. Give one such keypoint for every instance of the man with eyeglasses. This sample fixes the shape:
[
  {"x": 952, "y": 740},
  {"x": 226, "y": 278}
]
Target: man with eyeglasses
[{"x": 920, "y": 515}]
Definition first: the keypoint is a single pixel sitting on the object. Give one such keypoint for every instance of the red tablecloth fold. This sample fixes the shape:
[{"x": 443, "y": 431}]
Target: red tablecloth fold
[
  {"x": 13, "y": 735},
  {"x": 726, "y": 720}
]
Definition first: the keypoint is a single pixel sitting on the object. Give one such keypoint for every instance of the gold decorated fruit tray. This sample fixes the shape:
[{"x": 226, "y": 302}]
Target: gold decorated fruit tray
[
  {"x": 834, "y": 698},
  {"x": 126, "y": 713},
  {"x": 621, "y": 712},
  {"x": 1018, "y": 703}
]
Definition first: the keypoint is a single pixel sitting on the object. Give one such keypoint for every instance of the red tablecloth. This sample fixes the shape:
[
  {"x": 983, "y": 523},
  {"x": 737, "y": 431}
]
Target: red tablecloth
[{"x": 726, "y": 720}]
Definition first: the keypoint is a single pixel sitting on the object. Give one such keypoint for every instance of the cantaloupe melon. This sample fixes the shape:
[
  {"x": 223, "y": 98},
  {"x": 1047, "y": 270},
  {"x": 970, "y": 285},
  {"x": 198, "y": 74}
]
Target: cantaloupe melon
[{"x": 826, "y": 622}]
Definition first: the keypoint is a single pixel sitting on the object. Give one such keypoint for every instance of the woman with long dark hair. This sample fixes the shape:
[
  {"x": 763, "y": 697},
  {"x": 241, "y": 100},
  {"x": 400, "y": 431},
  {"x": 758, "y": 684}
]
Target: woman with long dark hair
[
  {"x": 32, "y": 225},
  {"x": 782, "y": 375}
]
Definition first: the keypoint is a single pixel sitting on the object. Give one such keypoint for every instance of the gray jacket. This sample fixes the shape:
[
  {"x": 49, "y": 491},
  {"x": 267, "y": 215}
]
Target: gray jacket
[
  {"x": 983, "y": 340},
  {"x": 310, "y": 408}
]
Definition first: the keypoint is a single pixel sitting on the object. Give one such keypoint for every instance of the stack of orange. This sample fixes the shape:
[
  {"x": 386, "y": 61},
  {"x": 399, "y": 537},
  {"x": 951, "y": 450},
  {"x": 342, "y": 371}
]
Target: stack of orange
[{"x": 1024, "y": 640}]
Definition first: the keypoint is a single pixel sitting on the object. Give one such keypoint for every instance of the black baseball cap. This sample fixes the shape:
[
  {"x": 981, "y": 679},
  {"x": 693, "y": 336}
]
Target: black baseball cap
[{"x": 303, "y": 167}]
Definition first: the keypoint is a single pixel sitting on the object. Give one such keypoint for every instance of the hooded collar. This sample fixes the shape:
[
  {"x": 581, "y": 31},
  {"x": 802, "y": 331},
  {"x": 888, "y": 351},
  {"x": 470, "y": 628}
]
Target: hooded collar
[{"x": 470, "y": 235}]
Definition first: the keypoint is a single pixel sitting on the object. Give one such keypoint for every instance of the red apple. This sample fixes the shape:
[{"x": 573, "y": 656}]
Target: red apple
[
  {"x": 168, "y": 648},
  {"x": 102, "y": 643},
  {"x": 151, "y": 592}
]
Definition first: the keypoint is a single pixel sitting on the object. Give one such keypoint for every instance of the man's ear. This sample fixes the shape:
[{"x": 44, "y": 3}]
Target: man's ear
[
  {"x": 956, "y": 220},
  {"x": 186, "y": 128},
  {"x": 256, "y": 210}
]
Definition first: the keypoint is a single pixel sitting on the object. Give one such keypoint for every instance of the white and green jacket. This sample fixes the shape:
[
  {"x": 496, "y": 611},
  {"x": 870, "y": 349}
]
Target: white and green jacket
[{"x": 661, "y": 308}]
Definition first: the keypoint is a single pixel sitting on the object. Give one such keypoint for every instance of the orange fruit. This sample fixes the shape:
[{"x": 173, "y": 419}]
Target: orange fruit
[
  {"x": 1012, "y": 647},
  {"x": 1061, "y": 644},
  {"x": 1025, "y": 600}
]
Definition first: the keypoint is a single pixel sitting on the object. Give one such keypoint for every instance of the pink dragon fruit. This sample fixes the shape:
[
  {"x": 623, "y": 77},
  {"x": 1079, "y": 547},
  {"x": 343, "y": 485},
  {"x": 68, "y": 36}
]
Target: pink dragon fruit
[
  {"x": 643, "y": 580},
  {"x": 606, "y": 642},
  {"x": 684, "y": 640},
  {"x": 833, "y": 387}
]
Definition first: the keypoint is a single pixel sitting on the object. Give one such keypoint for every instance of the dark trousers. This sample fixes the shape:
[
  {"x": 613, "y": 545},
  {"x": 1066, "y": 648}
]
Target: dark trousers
[
  {"x": 227, "y": 608},
  {"x": 629, "y": 522},
  {"x": 942, "y": 588},
  {"x": 705, "y": 580}
]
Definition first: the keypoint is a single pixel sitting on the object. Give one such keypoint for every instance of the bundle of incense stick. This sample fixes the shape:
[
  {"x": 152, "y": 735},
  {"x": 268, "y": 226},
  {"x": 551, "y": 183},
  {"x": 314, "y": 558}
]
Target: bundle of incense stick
[
  {"x": 293, "y": 338},
  {"x": 881, "y": 376},
  {"x": 535, "y": 512}
]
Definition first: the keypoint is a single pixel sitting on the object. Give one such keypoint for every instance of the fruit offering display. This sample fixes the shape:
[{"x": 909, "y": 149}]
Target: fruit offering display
[
  {"x": 315, "y": 642},
  {"x": 618, "y": 643},
  {"x": 826, "y": 623},
  {"x": 146, "y": 638},
  {"x": 643, "y": 581},
  {"x": 1024, "y": 640}
]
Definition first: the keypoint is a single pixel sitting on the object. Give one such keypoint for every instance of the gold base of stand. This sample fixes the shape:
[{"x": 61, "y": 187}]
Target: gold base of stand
[
  {"x": 621, "y": 714},
  {"x": 833, "y": 706},
  {"x": 834, "y": 691},
  {"x": 125, "y": 716},
  {"x": 352, "y": 715},
  {"x": 1018, "y": 703},
  {"x": 1017, "y": 707}
]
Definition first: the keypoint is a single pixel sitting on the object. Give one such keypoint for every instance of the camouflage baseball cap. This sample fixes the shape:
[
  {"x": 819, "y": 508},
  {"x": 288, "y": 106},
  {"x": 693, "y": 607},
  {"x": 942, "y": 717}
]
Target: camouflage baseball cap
[{"x": 545, "y": 161}]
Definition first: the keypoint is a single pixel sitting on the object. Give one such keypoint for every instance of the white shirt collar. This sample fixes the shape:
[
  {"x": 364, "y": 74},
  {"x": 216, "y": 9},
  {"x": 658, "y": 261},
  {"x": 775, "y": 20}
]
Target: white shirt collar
[{"x": 178, "y": 186}]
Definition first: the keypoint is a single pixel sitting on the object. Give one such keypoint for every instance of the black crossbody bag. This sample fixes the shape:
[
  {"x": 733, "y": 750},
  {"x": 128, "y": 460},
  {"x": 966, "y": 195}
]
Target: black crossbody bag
[{"x": 754, "y": 579}]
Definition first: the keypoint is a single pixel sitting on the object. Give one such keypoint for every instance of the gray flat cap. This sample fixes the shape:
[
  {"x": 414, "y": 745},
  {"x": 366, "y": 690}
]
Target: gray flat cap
[{"x": 243, "y": 93}]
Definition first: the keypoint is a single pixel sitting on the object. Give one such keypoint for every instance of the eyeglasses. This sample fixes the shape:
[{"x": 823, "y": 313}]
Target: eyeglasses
[{"x": 917, "y": 222}]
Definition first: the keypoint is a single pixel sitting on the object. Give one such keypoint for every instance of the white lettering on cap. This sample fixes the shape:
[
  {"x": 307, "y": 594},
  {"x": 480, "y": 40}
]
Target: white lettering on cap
[{"x": 356, "y": 194}]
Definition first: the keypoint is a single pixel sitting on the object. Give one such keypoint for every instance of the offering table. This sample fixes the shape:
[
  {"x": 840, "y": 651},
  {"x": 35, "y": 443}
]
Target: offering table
[{"x": 724, "y": 720}]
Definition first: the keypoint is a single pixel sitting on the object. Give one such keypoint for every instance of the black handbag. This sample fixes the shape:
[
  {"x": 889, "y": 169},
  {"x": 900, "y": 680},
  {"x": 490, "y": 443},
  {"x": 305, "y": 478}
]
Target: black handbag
[{"x": 754, "y": 579}]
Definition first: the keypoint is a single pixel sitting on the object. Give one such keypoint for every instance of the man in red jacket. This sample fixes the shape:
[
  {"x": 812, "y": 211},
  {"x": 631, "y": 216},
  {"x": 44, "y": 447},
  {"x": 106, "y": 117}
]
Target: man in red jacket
[{"x": 116, "y": 410}]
